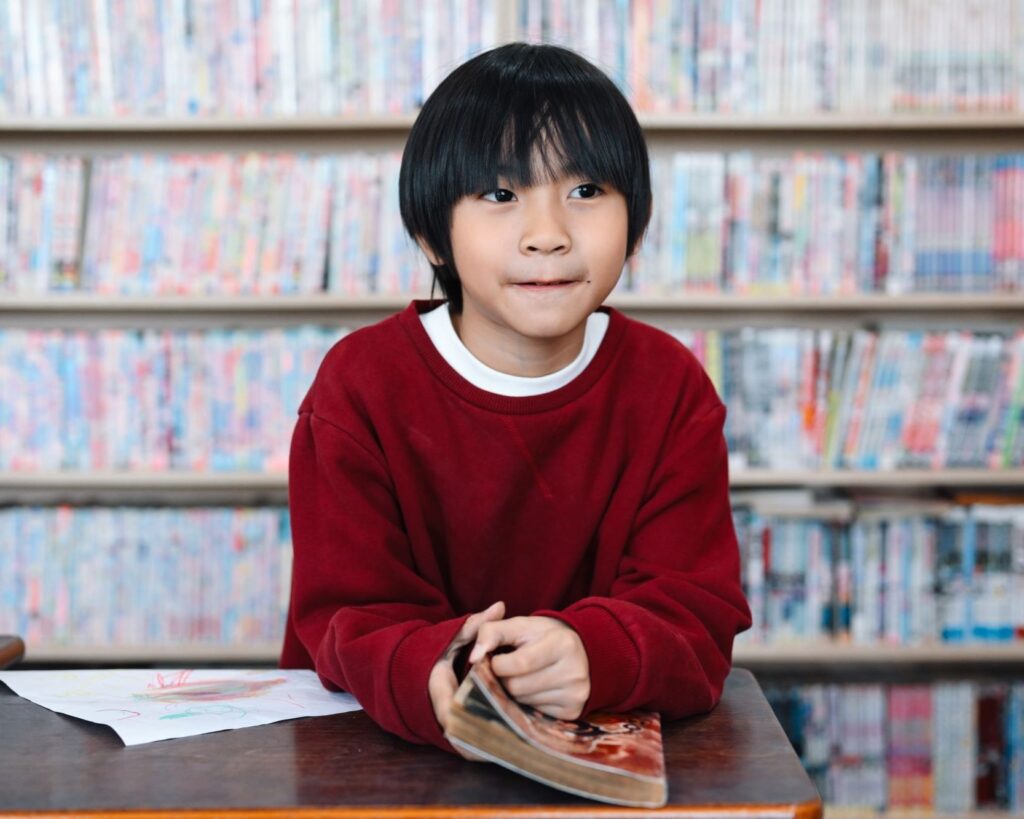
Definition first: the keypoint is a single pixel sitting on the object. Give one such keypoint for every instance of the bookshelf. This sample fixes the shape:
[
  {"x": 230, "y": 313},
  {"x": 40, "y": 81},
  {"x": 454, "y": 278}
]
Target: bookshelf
[{"x": 769, "y": 134}]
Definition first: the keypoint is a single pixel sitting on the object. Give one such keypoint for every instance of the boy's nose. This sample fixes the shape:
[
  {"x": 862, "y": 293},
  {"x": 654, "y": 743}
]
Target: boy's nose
[{"x": 543, "y": 235}]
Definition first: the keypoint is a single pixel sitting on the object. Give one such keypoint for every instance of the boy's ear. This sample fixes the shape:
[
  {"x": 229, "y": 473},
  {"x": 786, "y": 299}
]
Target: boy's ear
[{"x": 428, "y": 251}]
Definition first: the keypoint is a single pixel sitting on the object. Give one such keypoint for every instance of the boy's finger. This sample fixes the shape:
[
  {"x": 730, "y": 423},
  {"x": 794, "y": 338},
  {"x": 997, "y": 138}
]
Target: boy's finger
[
  {"x": 472, "y": 624},
  {"x": 530, "y": 685},
  {"x": 511, "y": 632},
  {"x": 527, "y": 659},
  {"x": 441, "y": 687}
]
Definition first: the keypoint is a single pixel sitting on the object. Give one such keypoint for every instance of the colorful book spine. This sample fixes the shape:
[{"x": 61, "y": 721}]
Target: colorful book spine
[
  {"x": 947, "y": 748},
  {"x": 883, "y": 576},
  {"x": 153, "y": 399},
  {"x": 277, "y": 59},
  {"x": 171, "y": 577}
]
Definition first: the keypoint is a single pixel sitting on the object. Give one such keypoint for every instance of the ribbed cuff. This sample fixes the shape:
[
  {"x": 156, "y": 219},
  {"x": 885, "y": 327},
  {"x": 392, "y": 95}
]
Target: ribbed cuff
[
  {"x": 611, "y": 653},
  {"x": 411, "y": 665}
]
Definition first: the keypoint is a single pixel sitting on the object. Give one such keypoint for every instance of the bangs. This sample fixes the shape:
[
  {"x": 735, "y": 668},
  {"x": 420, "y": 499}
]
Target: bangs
[{"x": 530, "y": 146}]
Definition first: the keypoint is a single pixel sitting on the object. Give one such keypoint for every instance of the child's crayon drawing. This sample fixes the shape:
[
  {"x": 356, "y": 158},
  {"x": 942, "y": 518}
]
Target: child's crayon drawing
[
  {"x": 179, "y": 688},
  {"x": 208, "y": 711},
  {"x": 143, "y": 705}
]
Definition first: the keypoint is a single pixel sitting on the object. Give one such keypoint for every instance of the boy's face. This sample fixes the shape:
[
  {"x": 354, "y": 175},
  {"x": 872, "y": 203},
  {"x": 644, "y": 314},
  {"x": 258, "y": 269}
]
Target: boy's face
[{"x": 534, "y": 263}]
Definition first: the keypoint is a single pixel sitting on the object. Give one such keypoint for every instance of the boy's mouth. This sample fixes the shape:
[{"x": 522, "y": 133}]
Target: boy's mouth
[{"x": 547, "y": 284}]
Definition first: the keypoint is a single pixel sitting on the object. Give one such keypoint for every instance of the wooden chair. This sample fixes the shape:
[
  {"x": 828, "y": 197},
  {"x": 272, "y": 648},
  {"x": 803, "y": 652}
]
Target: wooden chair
[{"x": 12, "y": 649}]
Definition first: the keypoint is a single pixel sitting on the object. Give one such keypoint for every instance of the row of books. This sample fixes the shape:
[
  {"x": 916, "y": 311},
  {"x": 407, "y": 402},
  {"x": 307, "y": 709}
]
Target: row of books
[
  {"x": 291, "y": 57},
  {"x": 862, "y": 399},
  {"x": 810, "y": 223},
  {"x": 205, "y": 224},
  {"x": 210, "y": 58},
  {"x": 950, "y": 747},
  {"x": 777, "y": 56},
  {"x": 889, "y": 581},
  {"x": 896, "y": 577},
  {"x": 224, "y": 400},
  {"x": 125, "y": 576},
  {"x": 154, "y": 399},
  {"x": 822, "y": 224}
]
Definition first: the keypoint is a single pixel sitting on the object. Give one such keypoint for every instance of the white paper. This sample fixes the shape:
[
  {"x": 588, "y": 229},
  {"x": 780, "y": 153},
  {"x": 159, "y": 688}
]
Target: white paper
[{"x": 145, "y": 705}]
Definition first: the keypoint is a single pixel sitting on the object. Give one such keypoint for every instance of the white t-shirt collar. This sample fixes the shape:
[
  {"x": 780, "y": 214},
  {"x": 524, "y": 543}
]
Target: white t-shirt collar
[{"x": 439, "y": 327}]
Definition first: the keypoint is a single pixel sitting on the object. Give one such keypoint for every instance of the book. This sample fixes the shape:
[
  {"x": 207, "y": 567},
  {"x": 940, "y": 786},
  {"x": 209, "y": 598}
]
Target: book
[{"x": 616, "y": 758}]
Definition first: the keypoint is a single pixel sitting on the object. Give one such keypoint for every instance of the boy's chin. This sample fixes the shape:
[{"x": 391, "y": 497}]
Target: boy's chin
[{"x": 542, "y": 327}]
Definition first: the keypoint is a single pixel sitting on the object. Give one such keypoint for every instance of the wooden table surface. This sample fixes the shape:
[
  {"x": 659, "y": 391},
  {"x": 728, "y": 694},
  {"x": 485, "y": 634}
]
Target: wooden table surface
[{"x": 735, "y": 761}]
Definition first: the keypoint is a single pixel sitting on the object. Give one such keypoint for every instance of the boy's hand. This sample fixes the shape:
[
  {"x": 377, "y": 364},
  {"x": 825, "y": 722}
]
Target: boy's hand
[
  {"x": 442, "y": 684},
  {"x": 548, "y": 668}
]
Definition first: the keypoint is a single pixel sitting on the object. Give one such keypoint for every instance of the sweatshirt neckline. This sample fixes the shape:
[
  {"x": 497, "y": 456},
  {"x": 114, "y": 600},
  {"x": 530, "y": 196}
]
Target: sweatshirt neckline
[{"x": 410, "y": 321}]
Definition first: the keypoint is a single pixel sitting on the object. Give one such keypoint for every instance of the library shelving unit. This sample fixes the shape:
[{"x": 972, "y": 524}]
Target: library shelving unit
[{"x": 982, "y": 133}]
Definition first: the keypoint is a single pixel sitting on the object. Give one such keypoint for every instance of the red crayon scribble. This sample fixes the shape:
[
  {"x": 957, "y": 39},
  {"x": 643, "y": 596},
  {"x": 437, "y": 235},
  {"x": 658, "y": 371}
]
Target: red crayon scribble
[
  {"x": 178, "y": 688},
  {"x": 123, "y": 711}
]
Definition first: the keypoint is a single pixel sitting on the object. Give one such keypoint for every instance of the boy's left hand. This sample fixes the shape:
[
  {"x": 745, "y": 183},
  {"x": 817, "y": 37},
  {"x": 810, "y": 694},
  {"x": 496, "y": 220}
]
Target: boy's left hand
[{"x": 548, "y": 668}]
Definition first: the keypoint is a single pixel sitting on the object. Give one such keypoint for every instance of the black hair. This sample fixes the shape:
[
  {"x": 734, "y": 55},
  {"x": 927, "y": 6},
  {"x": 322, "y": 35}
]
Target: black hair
[{"x": 488, "y": 118}]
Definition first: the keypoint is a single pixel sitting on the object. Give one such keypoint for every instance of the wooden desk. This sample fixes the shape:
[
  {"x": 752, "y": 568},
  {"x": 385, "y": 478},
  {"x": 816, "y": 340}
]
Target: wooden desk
[{"x": 735, "y": 761}]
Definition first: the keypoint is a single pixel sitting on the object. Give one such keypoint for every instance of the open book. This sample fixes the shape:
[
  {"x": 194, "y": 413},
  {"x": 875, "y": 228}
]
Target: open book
[{"x": 615, "y": 758}]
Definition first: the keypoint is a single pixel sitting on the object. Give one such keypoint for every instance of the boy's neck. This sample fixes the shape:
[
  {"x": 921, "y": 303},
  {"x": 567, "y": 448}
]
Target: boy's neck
[{"x": 509, "y": 352}]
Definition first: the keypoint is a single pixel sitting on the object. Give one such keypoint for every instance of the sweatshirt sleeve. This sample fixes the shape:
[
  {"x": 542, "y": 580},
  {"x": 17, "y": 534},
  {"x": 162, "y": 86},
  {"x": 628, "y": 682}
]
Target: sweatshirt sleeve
[
  {"x": 662, "y": 639},
  {"x": 369, "y": 622}
]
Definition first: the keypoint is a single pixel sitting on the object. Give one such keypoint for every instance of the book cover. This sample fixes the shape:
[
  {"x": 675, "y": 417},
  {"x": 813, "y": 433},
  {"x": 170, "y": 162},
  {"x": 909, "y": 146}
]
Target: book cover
[{"x": 616, "y": 758}]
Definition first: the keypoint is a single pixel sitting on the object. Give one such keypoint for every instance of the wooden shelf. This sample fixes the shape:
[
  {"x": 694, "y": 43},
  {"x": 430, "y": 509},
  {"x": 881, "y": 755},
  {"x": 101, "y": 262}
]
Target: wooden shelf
[
  {"x": 257, "y": 653},
  {"x": 89, "y": 303},
  {"x": 697, "y": 302},
  {"x": 111, "y": 480},
  {"x": 828, "y": 654},
  {"x": 839, "y": 812},
  {"x": 660, "y": 122},
  {"x": 868, "y": 479},
  {"x": 759, "y": 656}
]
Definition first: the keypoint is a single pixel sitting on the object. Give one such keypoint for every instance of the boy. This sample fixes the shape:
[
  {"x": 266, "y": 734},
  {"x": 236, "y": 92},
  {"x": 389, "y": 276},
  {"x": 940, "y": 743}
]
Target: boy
[{"x": 517, "y": 467}]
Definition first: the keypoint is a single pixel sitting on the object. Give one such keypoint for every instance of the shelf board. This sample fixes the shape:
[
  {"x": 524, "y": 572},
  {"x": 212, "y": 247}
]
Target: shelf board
[
  {"x": 816, "y": 653},
  {"x": 678, "y": 122},
  {"x": 754, "y": 655},
  {"x": 702, "y": 302},
  {"x": 256, "y": 653},
  {"x": 110, "y": 480},
  {"x": 90, "y": 303},
  {"x": 869, "y": 479},
  {"x": 156, "y": 124},
  {"x": 843, "y": 812},
  {"x": 827, "y": 654}
]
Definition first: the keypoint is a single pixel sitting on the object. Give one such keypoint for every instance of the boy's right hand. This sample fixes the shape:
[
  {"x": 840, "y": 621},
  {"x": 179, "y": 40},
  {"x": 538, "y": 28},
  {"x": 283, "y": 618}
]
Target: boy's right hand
[{"x": 442, "y": 683}]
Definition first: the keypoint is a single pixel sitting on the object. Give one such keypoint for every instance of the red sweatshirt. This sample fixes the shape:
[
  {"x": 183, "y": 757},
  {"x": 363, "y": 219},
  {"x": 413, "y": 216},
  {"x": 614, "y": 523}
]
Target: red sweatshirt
[{"x": 417, "y": 499}]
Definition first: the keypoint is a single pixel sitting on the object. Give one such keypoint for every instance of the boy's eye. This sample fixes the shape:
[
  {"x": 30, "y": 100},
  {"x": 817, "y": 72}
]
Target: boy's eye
[
  {"x": 588, "y": 190},
  {"x": 500, "y": 195}
]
